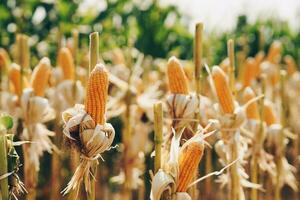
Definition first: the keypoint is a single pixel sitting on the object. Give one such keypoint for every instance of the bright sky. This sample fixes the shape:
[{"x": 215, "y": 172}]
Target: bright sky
[{"x": 222, "y": 14}]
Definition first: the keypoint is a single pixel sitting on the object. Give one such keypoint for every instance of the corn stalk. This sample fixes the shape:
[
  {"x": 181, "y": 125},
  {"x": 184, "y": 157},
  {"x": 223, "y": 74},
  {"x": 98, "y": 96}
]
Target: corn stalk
[
  {"x": 198, "y": 67},
  {"x": 235, "y": 181},
  {"x": 3, "y": 167},
  {"x": 126, "y": 191},
  {"x": 259, "y": 137},
  {"x": 281, "y": 147},
  {"x": 94, "y": 58},
  {"x": 158, "y": 134}
]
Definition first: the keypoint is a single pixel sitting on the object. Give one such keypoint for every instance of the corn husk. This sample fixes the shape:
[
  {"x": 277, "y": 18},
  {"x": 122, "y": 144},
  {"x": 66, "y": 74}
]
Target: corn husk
[
  {"x": 230, "y": 126},
  {"x": 182, "y": 110},
  {"x": 66, "y": 94},
  {"x": 287, "y": 174},
  {"x": 293, "y": 93},
  {"x": 36, "y": 111},
  {"x": 90, "y": 140},
  {"x": 265, "y": 160},
  {"x": 165, "y": 180}
]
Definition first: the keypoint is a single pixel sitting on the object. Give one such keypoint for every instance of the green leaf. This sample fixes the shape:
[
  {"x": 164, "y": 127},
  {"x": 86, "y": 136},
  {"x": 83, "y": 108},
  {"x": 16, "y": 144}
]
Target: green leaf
[{"x": 6, "y": 122}]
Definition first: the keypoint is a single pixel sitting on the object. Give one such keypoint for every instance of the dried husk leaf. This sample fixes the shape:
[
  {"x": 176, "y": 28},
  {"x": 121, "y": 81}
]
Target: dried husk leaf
[
  {"x": 35, "y": 109},
  {"x": 161, "y": 183},
  {"x": 264, "y": 159},
  {"x": 287, "y": 174},
  {"x": 90, "y": 139},
  {"x": 182, "y": 109},
  {"x": 66, "y": 94},
  {"x": 40, "y": 142},
  {"x": 165, "y": 180}
]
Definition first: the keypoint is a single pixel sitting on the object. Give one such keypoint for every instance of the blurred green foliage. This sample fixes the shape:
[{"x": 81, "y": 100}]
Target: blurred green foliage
[
  {"x": 252, "y": 38},
  {"x": 153, "y": 29},
  {"x": 145, "y": 24}
]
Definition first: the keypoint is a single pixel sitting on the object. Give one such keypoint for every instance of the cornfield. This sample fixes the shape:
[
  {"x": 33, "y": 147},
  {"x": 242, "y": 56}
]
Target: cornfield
[{"x": 119, "y": 124}]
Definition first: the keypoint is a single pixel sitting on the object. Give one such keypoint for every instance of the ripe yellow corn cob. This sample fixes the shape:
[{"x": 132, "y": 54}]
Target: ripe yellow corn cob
[
  {"x": 4, "y": 60},
  {"x": 252, "y": 110},
  {"x": 291, "y": 65},
  {"x": 223, "y": 91},
  {"x": 276, "y": 76},
  {"x": 66, "y": 62},
  {"x": 189, "y": 71},
  {"x": 96, "y": 95},
  {"x": 15, "y": 78},
  {"x": 274, "y": 52},
  {"x": 178, "y": 83},
  {"x": 258, "y": 60},
  {"x": 249, "y": 73},
  {"x": 40, "y": 77},
  {"x": 189, "y": 160},
  {"x": 225, "y": 65},
  {"x": 269, "y": 114}
]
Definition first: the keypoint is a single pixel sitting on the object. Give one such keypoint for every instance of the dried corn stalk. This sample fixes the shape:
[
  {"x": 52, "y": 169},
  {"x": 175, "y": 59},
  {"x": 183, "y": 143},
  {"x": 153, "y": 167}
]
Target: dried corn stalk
[
  {"x": 277, "y": 140},
  {"x": 134, "y": 96},
  {"x": 232, "y": 145},
  {"x": 87, "y": 130},
  {"x": 260, "y": 159},
  {"x": 35, "y": 111}
]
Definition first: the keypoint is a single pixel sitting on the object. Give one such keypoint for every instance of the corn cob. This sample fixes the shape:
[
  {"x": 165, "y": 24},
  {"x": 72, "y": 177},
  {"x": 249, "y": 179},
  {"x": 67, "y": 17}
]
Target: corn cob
[
  {"x": 223, "y": 91},
  {"x": 269, "y": 115},
  {"x": 225, "y": 65},
  {"x": 15, "y": 78},
  {"x": 66, "y": 62},
  {"x": 249, "y": 73},
  {"x": 274, "y": 52},
  {"x": 258, "y": 60},
  {"x": 4, "y": 60},
  {"x": 96, "y": 95},
  {"x": 275, "y": 77},
  {"x": 189, "y": 160},
  {"x": 252, "y": 110},
  {"x": 291, "y": 65},
  {"x": 40, "y": 77},
  {"x": 178, "y": 83}
]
